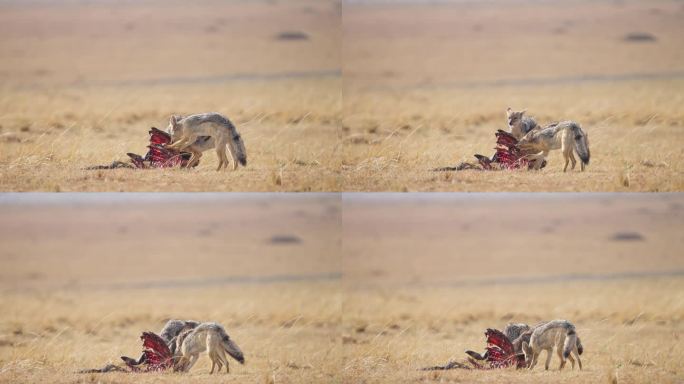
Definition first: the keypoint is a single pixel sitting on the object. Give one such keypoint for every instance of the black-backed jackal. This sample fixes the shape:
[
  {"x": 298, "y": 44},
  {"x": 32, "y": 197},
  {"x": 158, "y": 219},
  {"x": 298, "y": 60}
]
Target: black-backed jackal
[
  {"x": 206, "y": 337},
  {"x": 567, "y": 136},
  {"x": 559, "y": 334},
  {"x": 190, "y": 135}
]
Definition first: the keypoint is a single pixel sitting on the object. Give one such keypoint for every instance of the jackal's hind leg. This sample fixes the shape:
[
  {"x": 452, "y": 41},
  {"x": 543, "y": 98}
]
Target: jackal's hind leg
[
  {"x": 226, "y": 162},
  {"x": 572, "y": 361},
  {"x": 572, "y": 160},
  {"x": 559, "y": 350},
  {"x": 576, "y": 354},
  {"x": 215, "y": 361},
  {"x": 222, "y": 358},
  {"x": 567, "y": 156},
  {"x": 233, "y": 155},
  {"x": 220, "y": 154}
]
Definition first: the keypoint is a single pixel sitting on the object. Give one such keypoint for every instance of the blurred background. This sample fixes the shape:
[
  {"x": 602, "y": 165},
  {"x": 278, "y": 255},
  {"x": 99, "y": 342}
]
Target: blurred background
[
  {"x": 81, "y": 83},
  {"x": 427, "y": 83},
  {"x": 426, "y": 274},
  {"x": 84, "y": 275}
]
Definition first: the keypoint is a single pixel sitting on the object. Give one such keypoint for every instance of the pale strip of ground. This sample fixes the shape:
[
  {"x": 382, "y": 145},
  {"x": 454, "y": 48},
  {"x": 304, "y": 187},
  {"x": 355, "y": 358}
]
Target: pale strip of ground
[
  {"x": 53, "y": 243},
  {"x": 452, "y": 238}
]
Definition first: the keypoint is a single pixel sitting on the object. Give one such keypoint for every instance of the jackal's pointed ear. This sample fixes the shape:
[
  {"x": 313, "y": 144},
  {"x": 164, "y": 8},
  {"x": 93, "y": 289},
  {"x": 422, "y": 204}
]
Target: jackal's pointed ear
[
  {"x": 523, "y": 111},
  {"x": 509, "y": 111},
  {"x": 173, "y": 121}
]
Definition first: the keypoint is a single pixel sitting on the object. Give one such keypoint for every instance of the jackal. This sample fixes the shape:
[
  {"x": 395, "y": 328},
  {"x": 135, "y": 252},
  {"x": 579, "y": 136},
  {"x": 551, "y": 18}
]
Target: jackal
[
  {"x": 186, "y": 131},
  {"x": 560, "y": 334},
  {"x": 520, "y": 124},
  {"x": 565, "y": 135},
  {"x": 209, "y": 337}
]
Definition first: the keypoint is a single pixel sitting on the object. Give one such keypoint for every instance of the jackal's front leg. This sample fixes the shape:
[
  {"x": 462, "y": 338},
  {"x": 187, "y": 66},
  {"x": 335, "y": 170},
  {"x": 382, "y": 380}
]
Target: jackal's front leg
[
  {"x": 537, "y": 159},
  {"x": 194, "y": 158},
  {"x": 548, "y": 359},
  {"x": 191, "y": 362},
  {"x": 180, "y": 144},
  {"x": 535, "y": 357}
]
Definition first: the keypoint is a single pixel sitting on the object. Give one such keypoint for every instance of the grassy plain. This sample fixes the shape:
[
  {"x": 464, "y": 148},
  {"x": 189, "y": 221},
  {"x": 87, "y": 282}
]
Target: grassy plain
[
  {"x": 426, "y": 85},
  {"x": 76, "y": 290},
  {"x": 425, "y": 276},
  {"x": 82, "y": 83}
]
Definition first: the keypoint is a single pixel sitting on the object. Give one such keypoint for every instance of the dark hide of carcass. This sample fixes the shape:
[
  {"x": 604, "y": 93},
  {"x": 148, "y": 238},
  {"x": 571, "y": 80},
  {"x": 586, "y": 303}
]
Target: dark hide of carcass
[
  {"x": 499, "y": 354},
  {"x": 157, "y": 156},
  {"x": 157, "y": 357},
  {"x": 507, "y": 156}
]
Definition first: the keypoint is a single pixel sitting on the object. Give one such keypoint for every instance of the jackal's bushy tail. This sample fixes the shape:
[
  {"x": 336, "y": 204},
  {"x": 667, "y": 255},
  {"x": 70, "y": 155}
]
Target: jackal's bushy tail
[
  {"x": 580, "y": 348},
  {"x": 237, "y": 146},
  {"x": 570, "y": 342},
  {"x": 581, "y": 143},
  {"x": 230, "y": 347}
]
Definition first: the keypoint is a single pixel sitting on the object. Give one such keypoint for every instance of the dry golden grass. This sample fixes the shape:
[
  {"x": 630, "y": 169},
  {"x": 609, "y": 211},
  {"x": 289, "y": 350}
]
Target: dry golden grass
[
  {"x": 630, "y": 330},
  {"x": 423, "y": 86},
  {"x": 422, "y": 277},
  {"x": 81, "y": 85},
  {"x": 426, "y": 275},
  {"x": 427, "y": 86},
  {"x": 287, "y": 331},
  {"x": 106, "y": 269},
  {"x": 288, "y": 127}
]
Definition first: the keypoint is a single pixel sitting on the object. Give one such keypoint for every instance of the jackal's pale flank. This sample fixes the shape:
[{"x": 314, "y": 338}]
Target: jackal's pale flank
[
  {"x": 567, "y": 136},
  {"x": 560, "y": 334},
  {"x": 186, "y": 131},
  {"x": 209, "y": 337}
]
